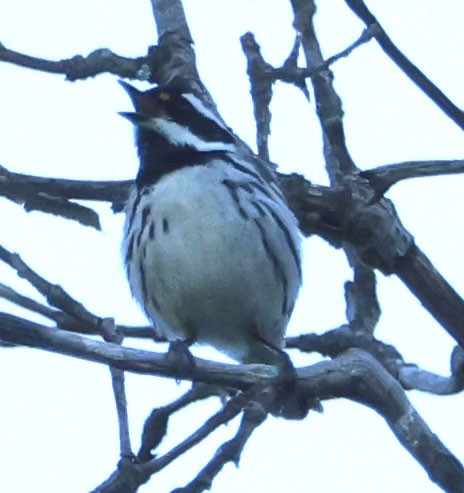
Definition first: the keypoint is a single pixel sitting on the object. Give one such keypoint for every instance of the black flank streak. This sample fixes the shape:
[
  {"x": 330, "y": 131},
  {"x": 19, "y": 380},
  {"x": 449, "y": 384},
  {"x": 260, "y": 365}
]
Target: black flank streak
[
  {"x": 245, "y": 185},
  {"x": 288, "y": 237},
  {"x": 264, "y": 190},
  {"x": 232, "y": 188},
  {"x": 251, "y": 186},
  {"x": 145, "y": 214},
  {"x": 263, "y": 168},
  {"x": 130, "y": 250},
  {"x": 143, "y": 280},
  {"x": 259, "y": 208},
  {"x": 277, "y": 266},
  {"x": 165, "y": 225},
  {"x": 134, "y": 208},
  {"x": 246, "y": 171},
  {"x": 260, "y": 170},
  {"x": 139, "y": 238},
  {"x": 151, "y": 231}
]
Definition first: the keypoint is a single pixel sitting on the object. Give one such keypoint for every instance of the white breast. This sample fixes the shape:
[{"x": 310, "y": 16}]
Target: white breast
[{"x": 204, "y": 269}]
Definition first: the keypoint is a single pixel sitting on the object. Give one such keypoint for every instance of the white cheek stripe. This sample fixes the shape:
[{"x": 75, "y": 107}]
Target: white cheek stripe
[
  {"x": 199, "y": 106},
  {"x": 181, "y": 136}
]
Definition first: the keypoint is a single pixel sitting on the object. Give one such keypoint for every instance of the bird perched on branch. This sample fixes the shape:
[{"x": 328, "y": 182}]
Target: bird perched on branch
[{"x": 210, "y": 246}]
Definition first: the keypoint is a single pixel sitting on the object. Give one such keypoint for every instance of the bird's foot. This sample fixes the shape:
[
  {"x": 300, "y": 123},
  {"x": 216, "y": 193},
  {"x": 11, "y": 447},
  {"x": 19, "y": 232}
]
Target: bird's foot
[
  {"x": 290, "y": 401},
  {"x": 181, "y": 358}
]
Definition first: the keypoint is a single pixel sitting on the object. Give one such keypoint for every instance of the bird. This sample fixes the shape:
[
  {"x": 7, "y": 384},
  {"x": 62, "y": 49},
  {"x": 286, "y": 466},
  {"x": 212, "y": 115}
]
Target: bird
[{"x": 210, "y": 246}]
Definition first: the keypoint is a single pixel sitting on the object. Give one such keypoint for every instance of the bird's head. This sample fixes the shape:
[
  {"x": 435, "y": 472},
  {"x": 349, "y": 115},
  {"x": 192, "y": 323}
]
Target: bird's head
[
  {"x": 174, "y": 113},
  {"x": 174, "y": 129}
]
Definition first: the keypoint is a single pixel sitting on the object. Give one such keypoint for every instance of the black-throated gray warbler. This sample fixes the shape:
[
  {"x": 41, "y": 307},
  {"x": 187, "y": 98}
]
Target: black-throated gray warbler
[{"x": 211, "y": 248}]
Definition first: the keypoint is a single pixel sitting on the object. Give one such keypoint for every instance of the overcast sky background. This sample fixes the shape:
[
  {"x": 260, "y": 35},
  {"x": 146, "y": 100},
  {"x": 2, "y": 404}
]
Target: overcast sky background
[{"x": 58, "y": 428}]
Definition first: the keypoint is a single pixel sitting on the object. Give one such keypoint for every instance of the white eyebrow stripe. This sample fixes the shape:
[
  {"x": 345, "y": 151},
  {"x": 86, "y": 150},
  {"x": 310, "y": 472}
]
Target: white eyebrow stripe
[
  {"x": 199, "y": 106},
  {"x": 182, "y": 136}
]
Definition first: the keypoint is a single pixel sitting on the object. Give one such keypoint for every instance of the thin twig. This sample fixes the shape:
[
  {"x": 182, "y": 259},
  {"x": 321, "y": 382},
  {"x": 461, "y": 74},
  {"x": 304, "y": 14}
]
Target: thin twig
[
  {"x": 232, "y": 408},
  {"x": 383, "y": 177},
  {"x": 413, "y": 72},
  {"x": 362, "y": 306},
  {"x": 368, "y": 33},
  {"x": 54, "y": 294},
  {"x": 287, "y": 73},
  {"x": 66, "y": 322},
  {"x": 156, "y": 424},
  {"x": 119, "y": 391},
  {"x": 262, "y": 76},
  {"x": 111, "y": 334},
  {"x": 58, "y": 298},
  {"x": 413, "y": 378},
  {"x": 129, "y": 476},
  {"x": 253, "y": 416},
  {"x": 28, "y": 303}
]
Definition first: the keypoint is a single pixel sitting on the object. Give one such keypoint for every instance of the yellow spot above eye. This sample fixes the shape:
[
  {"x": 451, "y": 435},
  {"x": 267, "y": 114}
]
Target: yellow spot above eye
[{"x": 164, "y": 96}]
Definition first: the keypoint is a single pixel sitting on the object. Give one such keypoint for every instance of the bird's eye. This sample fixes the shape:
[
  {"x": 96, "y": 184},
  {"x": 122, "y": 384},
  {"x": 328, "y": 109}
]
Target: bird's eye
[{"x": 164, "y": 96}]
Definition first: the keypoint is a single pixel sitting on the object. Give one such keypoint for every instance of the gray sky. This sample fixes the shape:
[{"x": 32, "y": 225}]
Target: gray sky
[{"x": 57, "y": 417}]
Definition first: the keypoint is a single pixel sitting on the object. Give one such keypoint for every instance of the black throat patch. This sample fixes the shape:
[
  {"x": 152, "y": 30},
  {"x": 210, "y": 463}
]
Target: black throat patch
[{"x": 159, "y": 157}]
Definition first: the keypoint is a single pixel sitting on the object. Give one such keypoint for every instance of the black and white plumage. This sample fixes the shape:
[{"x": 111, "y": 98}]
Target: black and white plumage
[{"x": 211, "y": 249}]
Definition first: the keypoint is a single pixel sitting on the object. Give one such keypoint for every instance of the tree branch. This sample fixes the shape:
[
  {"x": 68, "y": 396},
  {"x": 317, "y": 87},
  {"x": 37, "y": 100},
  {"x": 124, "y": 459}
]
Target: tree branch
[
  {"x": 155, "y": 427},
  {"x": 111, "y": 334},
  {"x": 367, "y": 228},
  {"x": 54, "y": 294},
  {"x": 362, "y": 306},
  {"x": 335, "y": 342},
  {"x": 140, "y": 473},
  {"x": 100, "y": 61},
  {"x": 15, "y": 330},
  {"x": 170, "y": 19},
  {"x": 328, "y": 103},
  {"x": 174, "y": 53},
  {"x": 353, "y": 217},
  {"x": 290, "y": 72},
  {"x": 69, "y": 323},
  {"x": 40, "y": 201},
  {"x": 434, "y": 292},
  {"x": 20, "y": 187},
  {"x": 354, "y": 375},
  {"x": 412, "y": 377},
  {"x": 358, "y": 376},
  {"x": 253, "y": 416},
  {"x": 261, "y": 80}
]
